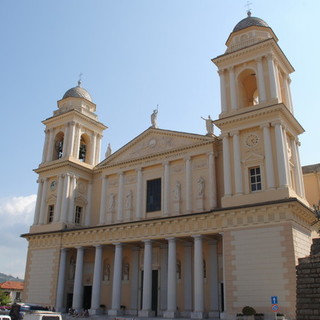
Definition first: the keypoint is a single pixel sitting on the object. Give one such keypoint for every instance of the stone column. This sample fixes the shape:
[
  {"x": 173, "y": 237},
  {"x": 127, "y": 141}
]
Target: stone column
[
  {"x": 77, "y": 141},
  {"x": 50, "y": 145},
  {"x": 223, "y": 91},
  {"x": 57, "y": 208},
  {"x": 299, "y": 169},
  {"x": 43, "y": 205},
  {"x": 226, "y": 165},
  {"x": 198, "y": 310},
  {"x": 147, "y": 281},
  {"x": 61, "y": 280},
  {"x": 261, "y": 84},
  {"x": 65, "y": 197},
  {"x": 71, "y": 139},
  {"x": 120, "y": 197},
  {"x": 134, "y": 280},
  {"x": 233, "y": 94},
  {"x": 38, "y": 203},
  {"x": 163, "y": 277},
  {"x": 98, "y": 148},
  {"x": 45, "y": 146},
  {"x": 166, "y": 198},
  {"x": 187, "y": 278},
  {"x": 288, "y": 81},
  {"x": 88, "y": 208},
  {"x": 93, "y": 148},
  {"x": 116, "y": 287},
  {"x": 78, "y": 287},
  {"x": 172, "y": 280},
  {"x": 96, "y": 286},
  {"x": 72, "y": 195},
  {"x": 102, "y": 216},
  {"x": 282, "y": 171},
  {"x": 139, "y": 194},
  {"x": 286, "y": 155},
  {"x": 273, "y": 77},
  {"x": 212, "y": 181},
  {"x": 65, "y": 141},
  {"x": 268, "y": 156},
  {"x": 213, "y": 279},
  {"x": 188, "y": 185},
  {"x": 237, "y": 163}
]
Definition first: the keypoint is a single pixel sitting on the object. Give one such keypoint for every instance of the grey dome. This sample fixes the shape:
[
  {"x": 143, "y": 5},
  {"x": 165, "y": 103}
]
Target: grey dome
[
  {"x": 248, "y": 22},
  {"x": 78, "y": 92}
]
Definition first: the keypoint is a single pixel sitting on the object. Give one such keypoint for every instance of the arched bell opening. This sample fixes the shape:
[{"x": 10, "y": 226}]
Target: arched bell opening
[
  {"x": 58, "y": 146},
  {"x": 248, "y": 88},
  {"x": 84, "y": 148}
]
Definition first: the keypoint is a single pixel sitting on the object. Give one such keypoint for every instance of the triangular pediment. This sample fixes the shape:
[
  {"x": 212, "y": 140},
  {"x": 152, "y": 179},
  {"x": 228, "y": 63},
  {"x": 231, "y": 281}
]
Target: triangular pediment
[
  {"x": 253, "y": 157},
  {"x": 153, "y": 142}
]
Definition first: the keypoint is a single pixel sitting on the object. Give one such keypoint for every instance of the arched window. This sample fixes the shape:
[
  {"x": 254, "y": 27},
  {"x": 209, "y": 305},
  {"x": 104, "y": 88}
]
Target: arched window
[
  {"x": 58, "y": 146},
  {"x": 248, "y": 89}
]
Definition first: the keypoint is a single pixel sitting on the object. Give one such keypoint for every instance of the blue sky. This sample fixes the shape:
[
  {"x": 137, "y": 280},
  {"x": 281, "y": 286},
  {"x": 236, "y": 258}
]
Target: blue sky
[{"x": 133, "y": 54}]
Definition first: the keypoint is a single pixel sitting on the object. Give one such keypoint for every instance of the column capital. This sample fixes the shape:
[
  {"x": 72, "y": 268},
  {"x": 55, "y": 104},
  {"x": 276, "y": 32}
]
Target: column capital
[
  {"x": 231, "y": 68},
  {"x": 171, "y": 239},
  {"x": 224, "y": 135},
  {"x": 259, "y": 59},
  {"x": 97, "y": 246},
  {"x": 212, "y": 153},
  {"x": 277, "y": 123},
  {"x": 79, "y": 248},
  {"x": 265, "y": 125},
  {"x": 117, "y": 244},
  {"x": 166, "y": 163},
  {"x": 234, "y": 133},
  {"x": 187, "y": 158},
  {"x": 270, "y": 56},
  {"x": 221, "y": 72},
  {"x": 197, "y": 236},
  {"x": 147, "y": 241}
]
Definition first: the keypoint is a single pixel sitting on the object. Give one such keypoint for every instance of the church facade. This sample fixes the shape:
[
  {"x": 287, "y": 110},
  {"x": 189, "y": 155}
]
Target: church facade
[{"x": 177, "y": 224}]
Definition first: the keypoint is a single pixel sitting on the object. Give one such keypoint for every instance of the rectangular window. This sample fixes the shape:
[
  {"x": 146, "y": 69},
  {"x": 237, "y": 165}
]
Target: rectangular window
[
  {"x": 50, "y": 213},
  {"x": 77, "y": 216},
  {"x": 255, "y": 179},
  {"x": 154, "y": 195}
]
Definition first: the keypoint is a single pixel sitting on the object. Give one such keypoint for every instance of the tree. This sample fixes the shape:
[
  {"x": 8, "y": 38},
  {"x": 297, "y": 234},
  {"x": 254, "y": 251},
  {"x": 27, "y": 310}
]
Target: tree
[{"x": 4, "y": 298}]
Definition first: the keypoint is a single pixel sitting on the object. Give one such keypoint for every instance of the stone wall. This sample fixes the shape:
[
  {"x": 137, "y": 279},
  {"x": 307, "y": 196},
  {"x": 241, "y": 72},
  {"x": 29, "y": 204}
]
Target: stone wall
[{"x": 308, "y": 285}]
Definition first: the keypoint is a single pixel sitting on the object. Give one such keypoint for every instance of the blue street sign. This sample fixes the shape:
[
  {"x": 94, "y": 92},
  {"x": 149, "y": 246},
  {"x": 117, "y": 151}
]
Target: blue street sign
[
  {"x": 274, "y": 300},
  {"x": 275, "y": 308}
]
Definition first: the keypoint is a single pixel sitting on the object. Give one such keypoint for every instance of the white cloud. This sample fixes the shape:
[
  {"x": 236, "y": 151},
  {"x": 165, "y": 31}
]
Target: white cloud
[{"x": 16, "y": 215}]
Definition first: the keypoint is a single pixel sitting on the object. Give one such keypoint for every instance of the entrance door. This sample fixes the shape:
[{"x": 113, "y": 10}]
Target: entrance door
[
  {"x": 87, "y": 294},
  {"x": 154, "y": 291}
]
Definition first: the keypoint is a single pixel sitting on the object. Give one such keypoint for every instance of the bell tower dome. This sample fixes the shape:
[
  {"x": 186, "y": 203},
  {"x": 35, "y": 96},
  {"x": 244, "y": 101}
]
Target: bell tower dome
[{"x": 259, "y": 131}]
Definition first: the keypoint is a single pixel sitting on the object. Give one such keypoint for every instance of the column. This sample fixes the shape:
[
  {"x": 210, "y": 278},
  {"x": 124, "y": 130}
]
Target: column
[
  {"x": 93, "y": 148},
  {"x": 134, "y": 280},
  {"x": 213, "y": 279},
  {"x": 71, "y": 138},
  {"x": 297, "y": 144},
  {"x": 65, "y": 141},
  {"x": 261, "y": 84},
  {"x": 226, "y": 164},
  {"x": 166, "y": 200},
  {"x": 198, "y": 310},
  {"x": 61, "y": 281},
  {"x": 98, "y": 148},
  {"x": 50, "y": 145},
  {"x": 163, "y": 277},
  {"x": 43, "y": 205},
  {"x": 38, "y": 203},
  {"x": 88, "y": 208},
  {"x": 147, "y": 281},
  {"x": 268, "y": 156},
  {"x": 96, "y": 285},
  {"x": 212, "y": 181},
  {"x": 120, "y": 197},
  {"x": 102, "y": 216},
  {"x": 273, "y": 77},
  {"x": 57, "y": 208},
  {"x": 188, "y": 185},
  {"x": 223, "y": 91},
  {"x": 233, "y": 95},
  {"x": 286, "y": 155},
  {"x": 139, "y": 195},
  {"x": 297, "y": 168},
  {"x": 282, "y": 171},
  {"x": 116, "y": 287},
  {"x": 78, "y": 288},
  {"x": 65, "y": 197},
  {"x": 172, "y": 280},
  {"x": 76, "y": 146},
  {"x": 288, "y": 82},
  {"x": 237, "y": 163},
  {"x": 45, "y": 146},
  {"x": 72, "y": 195}
]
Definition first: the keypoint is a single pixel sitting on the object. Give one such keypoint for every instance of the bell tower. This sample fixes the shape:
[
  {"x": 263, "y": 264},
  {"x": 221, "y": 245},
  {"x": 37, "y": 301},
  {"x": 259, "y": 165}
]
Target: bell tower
[
  {"x": 258, "y": 128},
  {"x": 71, "y": 151}
]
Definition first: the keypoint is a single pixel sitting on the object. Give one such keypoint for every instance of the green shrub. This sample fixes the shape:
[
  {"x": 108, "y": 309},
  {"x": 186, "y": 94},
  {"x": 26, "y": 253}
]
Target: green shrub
[{"x": 248, "y": 311}]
